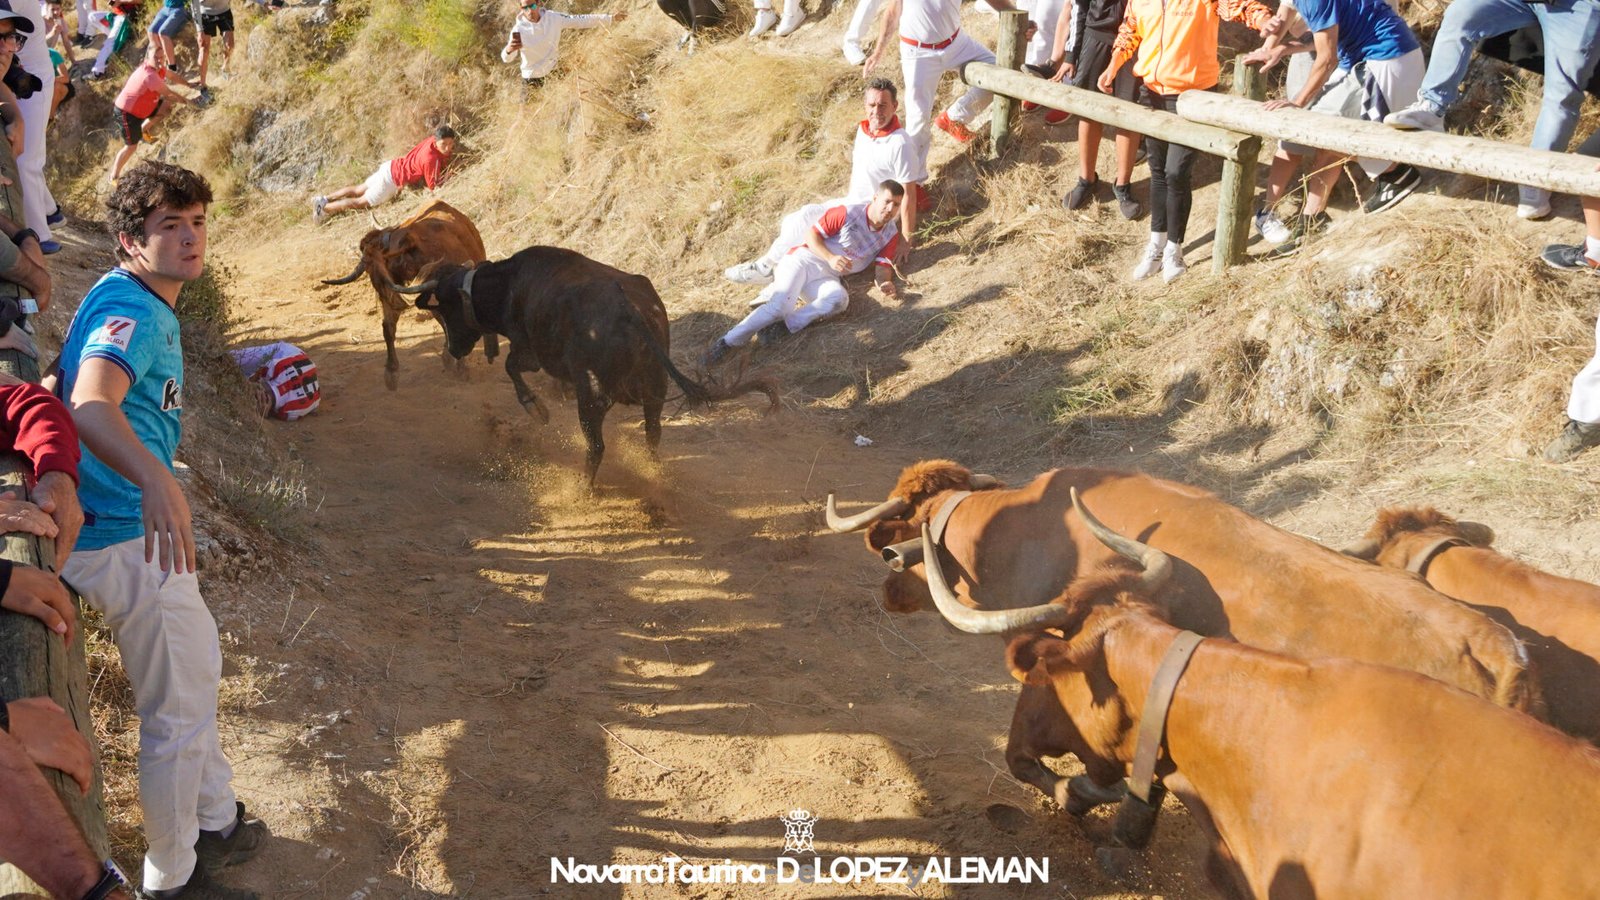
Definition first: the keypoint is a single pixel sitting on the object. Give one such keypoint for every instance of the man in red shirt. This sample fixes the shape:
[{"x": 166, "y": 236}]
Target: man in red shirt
[
  {"x": 140, "y": 100},
  {"x": 425, "y": 164}
]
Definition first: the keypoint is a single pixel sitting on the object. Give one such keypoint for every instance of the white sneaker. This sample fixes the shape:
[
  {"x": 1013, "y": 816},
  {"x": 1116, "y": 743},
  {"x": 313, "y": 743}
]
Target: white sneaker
[
  {"x": 853, "y": 53},
  {"x": 790, "y": 24},
  {"x": 1535, "y": 204},
  {"x": 1151, "y": 261},
  {"x": 1272, "y": 229},
  {"x": 319, "y": 209},
  {"x": 1172, "y": 264},
  {"x": 1416, "y": 117},
  {"x": 755, "y": 271},
  {"x": 765, "y": 19}
]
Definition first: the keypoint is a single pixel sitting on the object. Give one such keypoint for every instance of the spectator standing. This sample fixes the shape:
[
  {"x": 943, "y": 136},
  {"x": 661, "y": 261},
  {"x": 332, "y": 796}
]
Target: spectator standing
[
  {"x": 931, "y": 44},
  {"x": 425, "y": 164},
  {"x": 1176, "y": 45},
  {"x": 859, "y": 30},
  {"x": 807, "y": 287},
  {"x": 38, "y": 205},
  {"x": 115, "y": 24},
  {"x": 536, "y": 36},
  {"x": 1079, "y": 62},
  {"x": 882, "y": 152},
  {"x": 1582, "y": 430},
  {"x": 86, "y": 10},
  {"x": 216, "y": 18},
  {"x": 141, "y": 99},
  {"x": 793, "y": 17},
  {"x": 1571, "y": 30},
  {"x": 1367, "y": 63},
  {"x": 166, "y": 25},
  {"x": 121, "y": 371}
]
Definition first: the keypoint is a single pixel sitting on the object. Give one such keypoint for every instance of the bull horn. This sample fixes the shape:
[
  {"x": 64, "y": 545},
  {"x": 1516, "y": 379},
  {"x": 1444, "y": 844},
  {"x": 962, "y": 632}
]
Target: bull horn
[
  {"x": 419, "y": 289},
  {"x": 1157, "y": 565},
  {"x": 841, "y": 524},
  {"x": 374, "y": 217},
  {"x": 1476, "y": 533},
  {"x": 983, "y": 621},
  {"x": 1366, "y": 548},
  {"x": 903, "y": 555},
  {"x": 983, "y": 482},
  {"x": 360, "y": 268}
]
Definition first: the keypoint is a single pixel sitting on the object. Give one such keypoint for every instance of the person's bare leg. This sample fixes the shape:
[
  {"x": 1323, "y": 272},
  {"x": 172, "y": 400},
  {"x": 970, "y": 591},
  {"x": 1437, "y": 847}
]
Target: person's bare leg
[
  {"x": 340, "y": 206},
  {"x": 1089, "y": 134},
  {"x": 1319, "y": 184},
  {"x": 205, "y": 57},
  {"x": 123, "y": 155},
  {"x": 227, "y": 50},
  {"x": 1127, "y": 154},
  {"x": 344, "y": 193}
]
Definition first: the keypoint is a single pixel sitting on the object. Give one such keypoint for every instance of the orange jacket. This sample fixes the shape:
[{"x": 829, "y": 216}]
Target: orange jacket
[{"x": 1177, "y": 40}]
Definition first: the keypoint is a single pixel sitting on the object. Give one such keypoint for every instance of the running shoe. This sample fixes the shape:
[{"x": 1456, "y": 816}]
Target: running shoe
[
  {"x": 754, "y": 272},
  {"x": 957, "y": 130},
  {"x": 1418, "y": 116},
  {"x": 1573, "y": 439},
  {"x": 1131, "y": 209},
  {"x": 1081, "y": 194},
  {"x": 1570, "y": 258},
  {"x": 1271, "y": 228},
  {"x": 1391, "y": 187}
]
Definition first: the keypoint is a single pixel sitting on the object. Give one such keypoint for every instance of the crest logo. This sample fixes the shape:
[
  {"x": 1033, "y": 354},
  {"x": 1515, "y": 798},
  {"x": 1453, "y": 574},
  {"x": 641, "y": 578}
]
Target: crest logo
[{"x": 797, "y": 831}]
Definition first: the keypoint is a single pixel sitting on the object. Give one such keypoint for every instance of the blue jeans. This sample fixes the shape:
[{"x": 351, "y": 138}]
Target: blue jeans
[
  {"x": 1571, "y": 46},
  {"x": 169, "y": 21}
]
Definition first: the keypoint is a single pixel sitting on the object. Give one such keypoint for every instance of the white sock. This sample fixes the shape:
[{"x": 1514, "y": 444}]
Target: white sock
[
  {"x": 1593, "y": 248},
  {"x": 1158, "y": 239}
]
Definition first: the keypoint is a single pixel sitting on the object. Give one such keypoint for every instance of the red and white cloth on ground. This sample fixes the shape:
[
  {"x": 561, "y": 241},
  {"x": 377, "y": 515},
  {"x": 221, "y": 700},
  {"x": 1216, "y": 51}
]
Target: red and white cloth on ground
[
  {"x": 804, "y": 288},
  {"x": 287, "y": 376}
]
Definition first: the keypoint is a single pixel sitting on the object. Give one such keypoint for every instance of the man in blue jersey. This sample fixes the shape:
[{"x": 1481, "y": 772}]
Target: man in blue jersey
[{"x": 121, "y": 373}]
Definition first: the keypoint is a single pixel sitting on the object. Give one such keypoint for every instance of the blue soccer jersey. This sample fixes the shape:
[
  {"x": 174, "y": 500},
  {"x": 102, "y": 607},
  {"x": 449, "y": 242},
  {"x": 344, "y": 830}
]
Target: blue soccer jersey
[{"x": 124, "y": 322}]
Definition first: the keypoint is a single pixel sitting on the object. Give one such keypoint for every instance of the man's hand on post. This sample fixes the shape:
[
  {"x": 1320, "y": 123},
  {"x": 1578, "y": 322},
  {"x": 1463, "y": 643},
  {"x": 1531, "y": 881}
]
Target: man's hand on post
[
  {"x": 51, "y": 739},
  {"x": 58, "y": 496},
  {"x": 35, "y": 592}
]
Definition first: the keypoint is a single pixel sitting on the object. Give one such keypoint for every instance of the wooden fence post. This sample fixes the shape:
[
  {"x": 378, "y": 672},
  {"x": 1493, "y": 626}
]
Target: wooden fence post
[
  {"x": 33, "y": 660},
  {"x": 1238, "y": 189},
  {"x": 1008, "y": 53}
]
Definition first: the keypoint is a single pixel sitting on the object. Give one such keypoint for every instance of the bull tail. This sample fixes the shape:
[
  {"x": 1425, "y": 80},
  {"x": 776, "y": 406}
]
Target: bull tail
[
  {"x": 695, "y": 393},
  {"x": 1512, "y": 672}
]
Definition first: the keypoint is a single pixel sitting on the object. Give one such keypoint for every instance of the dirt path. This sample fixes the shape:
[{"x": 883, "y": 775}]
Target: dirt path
[{"x": 480, "y": 666}]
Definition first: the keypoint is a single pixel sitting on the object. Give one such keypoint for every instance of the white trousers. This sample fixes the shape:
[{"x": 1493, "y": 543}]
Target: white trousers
[
  {"x": 117, "y": 24},
  {"x": 170, "y": 650},
  {"x": 793, "y": 229},
  {"x": 922, "y": 70},
  {"x": 803, "y": 290},
  {"x": 36, "y": 200},
  {"x": 860, "y": 27},
  {"x": 1045, "y": 14},
  {"x": 85, "y": 10},
  {"x": 1584, "y": 406}
]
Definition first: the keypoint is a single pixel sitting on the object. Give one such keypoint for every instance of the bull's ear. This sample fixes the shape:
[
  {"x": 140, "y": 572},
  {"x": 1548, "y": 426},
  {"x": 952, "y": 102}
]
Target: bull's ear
[
  {"x": 429, "y": 300},
  {"x": 881, "y": 534},
  {"x": 1029, "y": 657}
]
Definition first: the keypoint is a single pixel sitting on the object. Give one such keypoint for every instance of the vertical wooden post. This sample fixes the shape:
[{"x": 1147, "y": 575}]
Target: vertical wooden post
[
  {"x": 33, "y": 660},
  {"x": 1238, "y": 188},
  {"x": 1008, "y": 53}
]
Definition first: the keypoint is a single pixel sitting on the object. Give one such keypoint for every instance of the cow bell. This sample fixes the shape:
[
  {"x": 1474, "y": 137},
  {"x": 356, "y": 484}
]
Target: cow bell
[{"x": 903, "y": 555}]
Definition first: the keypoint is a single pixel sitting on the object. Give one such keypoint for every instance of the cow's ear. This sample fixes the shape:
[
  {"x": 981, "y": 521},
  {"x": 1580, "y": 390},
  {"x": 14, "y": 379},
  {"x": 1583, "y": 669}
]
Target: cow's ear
[
  {"x": 881, "y": 534},
  {"x": 429, "y": 300},
  {"x": 1030, "y": 657}
]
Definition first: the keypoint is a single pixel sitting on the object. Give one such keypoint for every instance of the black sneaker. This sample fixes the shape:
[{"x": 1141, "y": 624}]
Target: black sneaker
[
  {"x": 1573, "y": 439},
  {"x": 1131, "y": 209},
  {"x": 215, "y": 851},
  {"x": 715, "y": 353},
  {"x": 201, "y": 886},
  {"x": 1302, "y": 227},
  {"x": 1081, "y": 194},
  {"x": 1570, "y": 257},
  {"x": 1392, "y": 187},
  {"x": 772, "y": 334}
]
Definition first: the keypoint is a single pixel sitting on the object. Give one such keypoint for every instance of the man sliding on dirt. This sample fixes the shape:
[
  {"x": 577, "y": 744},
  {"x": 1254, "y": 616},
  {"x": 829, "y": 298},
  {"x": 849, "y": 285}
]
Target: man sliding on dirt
[
  {"x": 425, "y": 164},
  {"x": 121, "y": 372}
]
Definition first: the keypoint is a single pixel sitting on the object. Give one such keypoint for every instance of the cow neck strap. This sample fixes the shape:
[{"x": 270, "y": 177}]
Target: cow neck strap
[
  {"x": 942, "y": 517},
  {"x": 1419, "y": 563},
  {"x": 470, "y": 307},
  {"x": 1153, "y": 721}
]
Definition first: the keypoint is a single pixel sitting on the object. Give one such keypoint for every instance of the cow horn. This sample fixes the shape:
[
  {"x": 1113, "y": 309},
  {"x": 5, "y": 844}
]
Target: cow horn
[
  {"x": 1476, "y": 533},
  {"x": 374, "y": 217},
  {"x": 841, "y": 524},
  {"x": 1157, "y": 565},
  {"x": 360, "y": 268},
  {"x": 1366, "y": 548},
  {"x": 422, "y": 288},
  {"x": 983, "y": 621},
  {"x": 983, "y": 482}
]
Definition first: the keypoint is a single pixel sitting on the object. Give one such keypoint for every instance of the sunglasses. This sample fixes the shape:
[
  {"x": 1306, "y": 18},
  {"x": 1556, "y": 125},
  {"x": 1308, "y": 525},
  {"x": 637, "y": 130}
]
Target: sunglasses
[{"x": 16, "y": 37}]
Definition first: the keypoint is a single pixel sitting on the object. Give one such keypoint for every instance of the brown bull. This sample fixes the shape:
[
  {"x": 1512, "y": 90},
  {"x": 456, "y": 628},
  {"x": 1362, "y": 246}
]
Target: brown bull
[
  {"x": 438, "y": 233},
  {"x": 1323, "y": 778},
  {"x": 1558, "y": 619},
  {"x": 1233, "y": 575}
]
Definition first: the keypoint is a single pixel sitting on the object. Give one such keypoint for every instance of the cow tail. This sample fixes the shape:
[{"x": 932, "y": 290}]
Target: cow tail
[
  {"x": 694, "y": 393},
  {"x": 1516, "y": 681}
]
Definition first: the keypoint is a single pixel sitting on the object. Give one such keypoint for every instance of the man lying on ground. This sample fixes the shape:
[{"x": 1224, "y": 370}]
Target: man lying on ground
[{"x": 424, "y": 165}]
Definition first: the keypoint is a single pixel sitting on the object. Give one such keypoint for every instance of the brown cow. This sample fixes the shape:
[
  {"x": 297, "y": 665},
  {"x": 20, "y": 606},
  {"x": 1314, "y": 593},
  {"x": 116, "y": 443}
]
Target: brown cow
[
  {"x": 438, "y": 233},
  {"x": 1558, "y": 619},
  {"x": 1234, "y": 575},
  {"x": 1323, "y": 778}
]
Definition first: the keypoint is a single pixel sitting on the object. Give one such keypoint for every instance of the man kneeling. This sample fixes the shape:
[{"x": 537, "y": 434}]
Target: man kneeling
[{"x": 806, "y": 285}]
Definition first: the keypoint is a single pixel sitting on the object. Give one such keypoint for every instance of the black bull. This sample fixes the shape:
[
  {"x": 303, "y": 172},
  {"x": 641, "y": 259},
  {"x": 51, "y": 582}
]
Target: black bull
[{"x": 602, "y": 330}]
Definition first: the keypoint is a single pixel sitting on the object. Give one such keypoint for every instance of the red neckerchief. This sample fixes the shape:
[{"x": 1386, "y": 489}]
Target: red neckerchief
[{"x": 894, "y": 125}]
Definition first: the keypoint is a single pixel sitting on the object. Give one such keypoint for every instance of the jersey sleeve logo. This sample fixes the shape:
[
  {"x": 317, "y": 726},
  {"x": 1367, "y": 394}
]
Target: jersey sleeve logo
[{"x": 115, "y": 330}]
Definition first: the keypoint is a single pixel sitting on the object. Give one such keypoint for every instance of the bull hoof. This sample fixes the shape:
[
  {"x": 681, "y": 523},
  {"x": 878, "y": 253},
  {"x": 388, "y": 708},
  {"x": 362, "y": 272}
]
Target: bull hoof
[
  {"x": 535, "y": 408},
  {"x": 1083, "y": 795},
  {"x": 462, "y": 372},
  {"x": 391, "y": 379}
]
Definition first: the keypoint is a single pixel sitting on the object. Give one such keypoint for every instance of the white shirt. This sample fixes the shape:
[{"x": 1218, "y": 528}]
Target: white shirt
[
  {"x": 35, "y": 54},
  {"x": 878, "y": 157},
  {"x": 540, "y": 39},
  {"x": 930, "y": 21}
]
